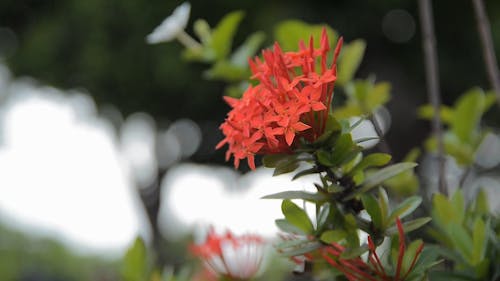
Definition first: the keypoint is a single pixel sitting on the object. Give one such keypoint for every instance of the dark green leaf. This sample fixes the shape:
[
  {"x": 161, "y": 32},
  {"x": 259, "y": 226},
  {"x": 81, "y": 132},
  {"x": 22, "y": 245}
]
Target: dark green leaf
[
  {"x": 306, "y": 172},
  {"x": 372, "y": 207},
  {"x": 296, "y": 216},
  {"x": 285, "y": 167},
  {"x": 272, "y": 160}
]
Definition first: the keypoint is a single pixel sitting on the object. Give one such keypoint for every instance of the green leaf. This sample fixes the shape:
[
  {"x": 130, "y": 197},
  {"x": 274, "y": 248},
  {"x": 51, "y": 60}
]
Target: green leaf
[
  {"x": 383, "y": 202},
  {"x": 347, "y": 111},
  {"x": 372, "y": 207},
  {"x": 331, "y": 236},
  {"x": 135, "y": 264},
  {"x": 349, "y": 60},
  {"x": 443, "y": 211},
  {"x": 289, "y": 33},
  {"x": 461, "y": 241},
  {"x": 313, "y": 197},
  {"x": 285, "y": 167},
  {"x": 427, "y": 112},
  {"x": 313, "y": 170},
  {"x": 223, "y": 34},
  {"x": 303, "y": 249},
  {"x": 481, "y": 204},
  {"x": 226, "y": 71},
  {"x": 272, "y": 160},
  {"x": 283, "y": 163},
  {"x": 372, "y": 160},
  {"x": 405, "y": 208},
  {"x": 458, "y": 203},
  {"x": 285, "y": 226},
  {"x": 351, "y": 253},
  {"x": 468, "y": 112},
  {"x": 296, "y": 216},
  {"x": 380, "y": 176},
  {"x": 248, "y": 49},
  {"x": 378, "y": 96},
  {"x": 410, "y": 254},
  {"x": 324, "y": 158},
  {"x": 344, "y": 150},
  {"x": 479, "y": 241},
  {"x": 202, "y": 30},
  {"x": 323, "y": 215},
  {"x": 408, "y": 226}
]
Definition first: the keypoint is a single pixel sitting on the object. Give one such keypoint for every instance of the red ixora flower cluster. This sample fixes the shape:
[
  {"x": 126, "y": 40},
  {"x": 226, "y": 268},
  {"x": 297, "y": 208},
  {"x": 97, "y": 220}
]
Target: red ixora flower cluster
[
  {"x": 291, "y": 100},
  {"x": 235, "y": 257}
]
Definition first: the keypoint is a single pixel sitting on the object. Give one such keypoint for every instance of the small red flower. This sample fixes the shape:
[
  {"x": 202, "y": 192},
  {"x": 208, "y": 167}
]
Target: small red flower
[
  {"x": 356, "y": 269},
  {"x": 291, "y": 101},
  {"x": 235, "y": 257}
]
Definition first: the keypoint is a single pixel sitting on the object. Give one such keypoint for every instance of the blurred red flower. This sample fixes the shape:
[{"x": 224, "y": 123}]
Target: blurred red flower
[{"x": 234, "y": 257}]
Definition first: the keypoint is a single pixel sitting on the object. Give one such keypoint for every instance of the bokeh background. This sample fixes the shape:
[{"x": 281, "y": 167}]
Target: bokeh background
[{"x": 94, "y": 121}]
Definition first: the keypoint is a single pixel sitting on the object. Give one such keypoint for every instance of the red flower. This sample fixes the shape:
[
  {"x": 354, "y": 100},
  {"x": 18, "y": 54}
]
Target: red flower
[
  {"x": 235, "y": 257},
  {"x": 356, "y": 269},
  {"x": 284, "y": 105}
]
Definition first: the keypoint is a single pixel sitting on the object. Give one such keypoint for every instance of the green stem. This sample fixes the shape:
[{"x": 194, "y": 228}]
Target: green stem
[{"x": 188, "y": 41}]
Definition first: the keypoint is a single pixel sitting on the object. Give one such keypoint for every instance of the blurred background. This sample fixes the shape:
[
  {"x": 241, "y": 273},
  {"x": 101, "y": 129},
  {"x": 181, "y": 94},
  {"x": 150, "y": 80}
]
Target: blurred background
[{"x": 104, "y": 137}]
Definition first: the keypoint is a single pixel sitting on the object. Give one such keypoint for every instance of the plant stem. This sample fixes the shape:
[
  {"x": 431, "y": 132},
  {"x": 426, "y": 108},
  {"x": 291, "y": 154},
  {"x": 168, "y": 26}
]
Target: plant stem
[
  {"x": 431, "y": 71},
  {"x": 490, "y": 61},
  {"x": 188, "y": 41}
]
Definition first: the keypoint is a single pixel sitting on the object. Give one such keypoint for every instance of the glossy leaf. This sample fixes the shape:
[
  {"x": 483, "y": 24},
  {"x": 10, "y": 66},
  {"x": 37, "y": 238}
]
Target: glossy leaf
[
  {"x": 296, "y": 216},
  {"x": 294, "y": 194},
  {"x": 380, "y": 176},
  {"x": 351, "y": 253}
]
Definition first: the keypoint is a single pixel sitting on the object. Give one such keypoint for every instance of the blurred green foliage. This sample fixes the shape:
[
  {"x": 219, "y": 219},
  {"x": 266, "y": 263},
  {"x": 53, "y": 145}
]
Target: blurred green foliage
[{"x": 27, "y": 257}]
